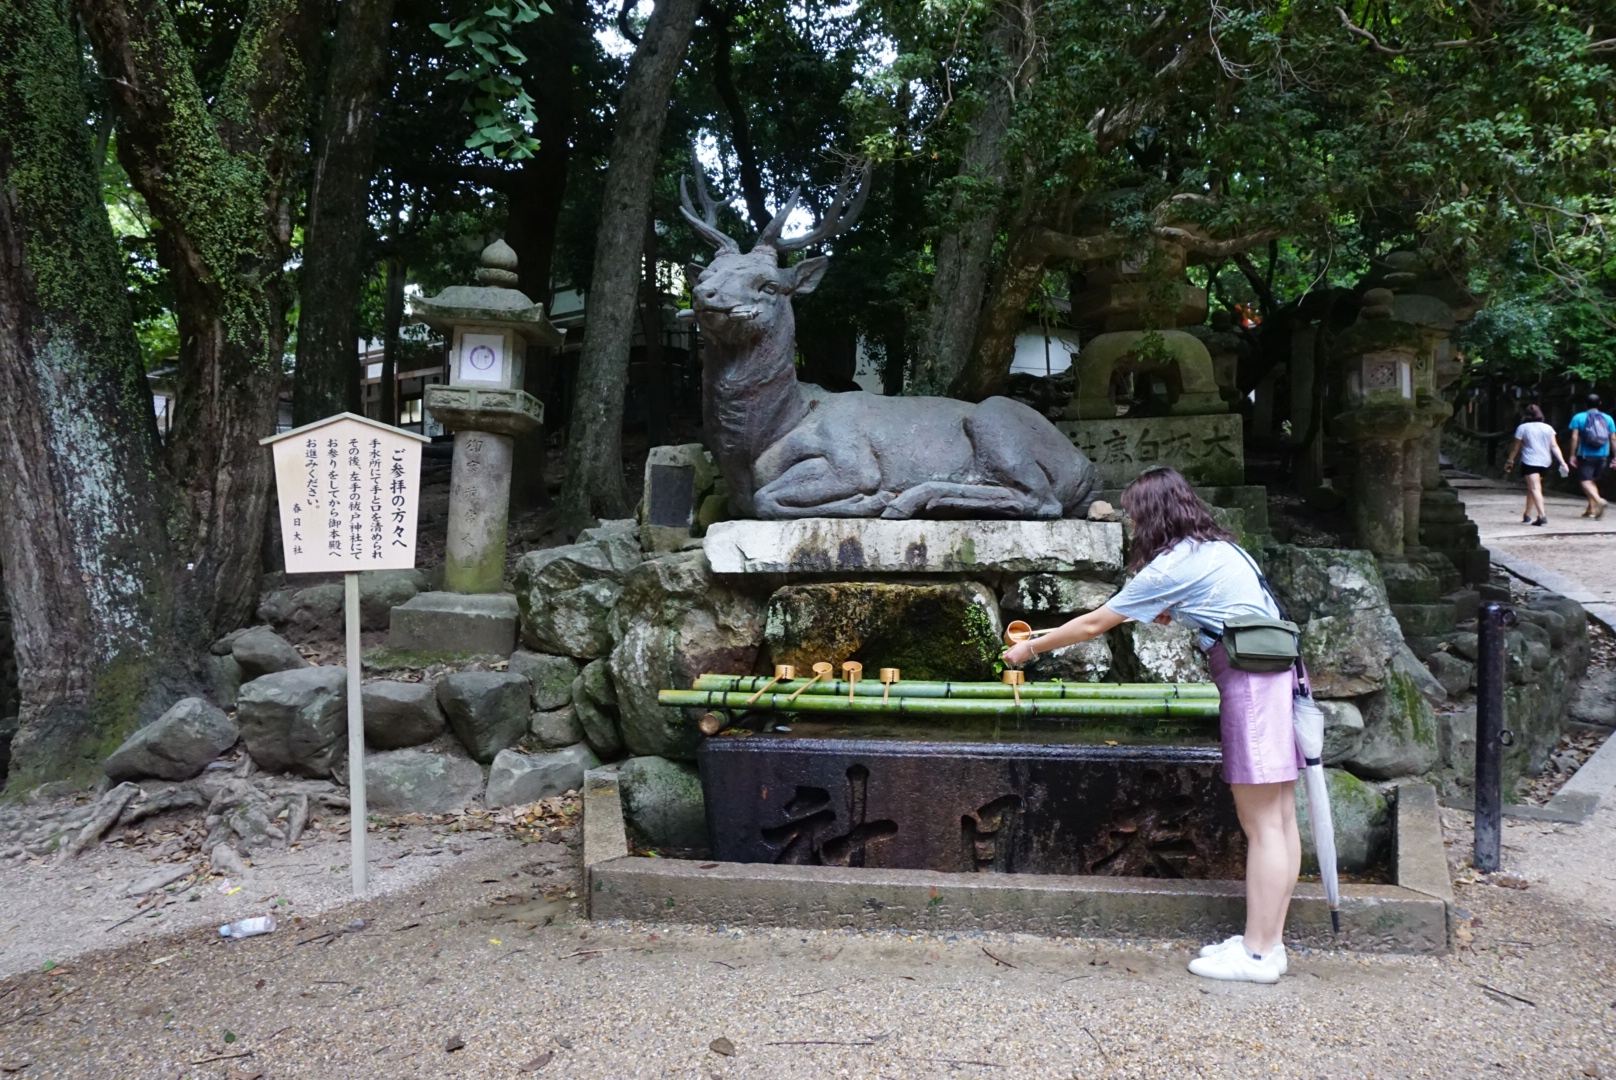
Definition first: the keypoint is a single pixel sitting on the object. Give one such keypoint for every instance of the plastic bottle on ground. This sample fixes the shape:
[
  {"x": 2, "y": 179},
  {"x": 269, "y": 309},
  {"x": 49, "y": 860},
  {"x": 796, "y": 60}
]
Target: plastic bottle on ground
[{"x": 263, "y": 924}]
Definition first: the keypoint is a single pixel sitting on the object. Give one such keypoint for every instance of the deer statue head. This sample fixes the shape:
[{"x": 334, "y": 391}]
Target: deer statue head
[{"x": 742, "y": 298}]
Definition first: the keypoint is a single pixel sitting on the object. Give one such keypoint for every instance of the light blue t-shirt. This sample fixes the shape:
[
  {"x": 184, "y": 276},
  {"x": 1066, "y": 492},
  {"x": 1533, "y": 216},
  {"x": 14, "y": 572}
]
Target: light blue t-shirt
[
  {"x": 1579, "y": 423},
  {"x": 1202, "y": 583}
]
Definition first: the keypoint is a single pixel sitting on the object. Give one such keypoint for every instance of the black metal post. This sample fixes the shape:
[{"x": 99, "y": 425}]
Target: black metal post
[{"x": 1491, "y": 665}]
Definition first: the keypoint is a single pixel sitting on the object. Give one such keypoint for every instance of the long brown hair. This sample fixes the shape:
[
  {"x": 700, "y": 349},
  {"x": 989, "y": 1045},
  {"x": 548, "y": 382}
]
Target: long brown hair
[
  {"x": 1533, "y": 414},
  {"x": 1164, "y": 510}
]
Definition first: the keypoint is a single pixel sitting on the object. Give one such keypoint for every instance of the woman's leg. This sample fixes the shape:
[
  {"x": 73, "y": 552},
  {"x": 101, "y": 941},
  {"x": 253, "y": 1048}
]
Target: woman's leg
[
  {"x": 1273, "y": 858},
  {"x": 1534, "y": 496}
]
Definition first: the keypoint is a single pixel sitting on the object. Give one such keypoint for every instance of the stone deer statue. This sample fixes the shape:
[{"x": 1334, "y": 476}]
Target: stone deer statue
[{"x": 786, "y": 454}]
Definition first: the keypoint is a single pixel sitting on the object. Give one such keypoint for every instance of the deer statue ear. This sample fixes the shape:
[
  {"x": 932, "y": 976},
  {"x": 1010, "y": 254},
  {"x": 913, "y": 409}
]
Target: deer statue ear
[
  {"x": 805, "y": 276},
  {"x": 693, "y": 272}
]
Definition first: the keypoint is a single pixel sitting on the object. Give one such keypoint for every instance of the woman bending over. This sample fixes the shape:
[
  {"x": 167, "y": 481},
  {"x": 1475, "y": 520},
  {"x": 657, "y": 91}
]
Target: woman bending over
[{"x": 1189, "y": 569}]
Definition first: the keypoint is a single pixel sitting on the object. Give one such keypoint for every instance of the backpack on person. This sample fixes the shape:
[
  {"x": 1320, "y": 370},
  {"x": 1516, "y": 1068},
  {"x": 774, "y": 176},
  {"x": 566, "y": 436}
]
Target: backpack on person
[{"x": 1596, "y": 430}]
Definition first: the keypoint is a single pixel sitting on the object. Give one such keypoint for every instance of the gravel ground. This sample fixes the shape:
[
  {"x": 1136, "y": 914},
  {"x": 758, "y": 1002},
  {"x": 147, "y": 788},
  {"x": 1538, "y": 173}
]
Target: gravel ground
[
  {"x": 52, "y": 913},
  {"x": 490, "y": 957}
]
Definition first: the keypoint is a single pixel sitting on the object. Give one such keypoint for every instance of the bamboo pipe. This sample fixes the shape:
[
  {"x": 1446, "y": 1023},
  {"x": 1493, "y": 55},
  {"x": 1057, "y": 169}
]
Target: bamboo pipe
[
  {"x": 821, "y": 670},
  {"x": 782, "y": 673},
  {"x": 852, "y": 669},
  {"x": 1204, "y": 709},
  {"x": 889, "y": 675},
  {"x": 917, "y": 688}
]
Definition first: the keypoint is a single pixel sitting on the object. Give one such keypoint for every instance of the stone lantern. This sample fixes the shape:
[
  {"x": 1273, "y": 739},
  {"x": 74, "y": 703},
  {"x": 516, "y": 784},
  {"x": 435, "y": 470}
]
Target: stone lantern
[
  {"x": 1388, "y": 360},
  {"x": 488, "y": 327}
]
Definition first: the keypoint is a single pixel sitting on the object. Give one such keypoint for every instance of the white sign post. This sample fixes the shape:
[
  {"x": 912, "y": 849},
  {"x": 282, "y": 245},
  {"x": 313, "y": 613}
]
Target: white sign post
[{"x": 349, "y": 490}]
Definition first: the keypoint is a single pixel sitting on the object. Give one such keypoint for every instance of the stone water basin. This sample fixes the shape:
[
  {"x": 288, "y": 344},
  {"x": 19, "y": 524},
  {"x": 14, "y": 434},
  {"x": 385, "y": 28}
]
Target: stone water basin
[{"x": 1140, "y": 800}]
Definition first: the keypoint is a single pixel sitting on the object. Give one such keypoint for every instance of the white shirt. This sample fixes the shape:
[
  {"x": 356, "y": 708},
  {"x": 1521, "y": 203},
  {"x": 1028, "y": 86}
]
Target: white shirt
[
  {"x": 1201, "y": 583},
  {"x": 1536, "y": 439}
]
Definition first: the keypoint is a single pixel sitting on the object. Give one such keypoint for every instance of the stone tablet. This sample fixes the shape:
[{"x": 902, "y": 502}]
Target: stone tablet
[
  {"x": 1206, "y": 449},
  {"x": 877, "y": 545}
]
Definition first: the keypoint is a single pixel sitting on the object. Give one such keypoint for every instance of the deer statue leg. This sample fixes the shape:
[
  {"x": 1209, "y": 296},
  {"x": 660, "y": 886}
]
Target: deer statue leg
[{"x": 823, "y": 487}]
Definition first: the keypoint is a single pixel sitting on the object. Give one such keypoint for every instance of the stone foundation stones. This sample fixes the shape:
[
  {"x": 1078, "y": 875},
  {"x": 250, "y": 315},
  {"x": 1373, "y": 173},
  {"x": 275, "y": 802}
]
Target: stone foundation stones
[
  {"x": 1362, "y": 819},
  {"x": 1400, "y": 732},
  {"x": 1055, "y": 594},
  {"x": 566, "y": 594},
  {"x": 1151, "y": 653},
  {"x": 550, "y": 676},
  {"x": 401, "y": 714},
  {"x": 1348, "y": 632},
  {"x": 516, "y": 779},
  {"x": 260, "y": 651},
  {"x": 421, "y": 782},
  {"x": 555, "y": 728},
  {"x": 487, "y": 710},
  {"x": 455, "y": 624},
  {"x": 674, "y": 622},
  {"x": 296, "y": 721},
  {"x": 927, "y": 631},
  {"x": 594, "y": 700},
  {"x": 663, "y": 801},
  {"x": 176, "y": 746}
]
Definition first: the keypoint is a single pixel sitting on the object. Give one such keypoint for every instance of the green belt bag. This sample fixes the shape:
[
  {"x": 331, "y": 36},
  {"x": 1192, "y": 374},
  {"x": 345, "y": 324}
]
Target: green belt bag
[
  {"x": 1258, "y": 643},
  {"x": 1255, "y": 643}
]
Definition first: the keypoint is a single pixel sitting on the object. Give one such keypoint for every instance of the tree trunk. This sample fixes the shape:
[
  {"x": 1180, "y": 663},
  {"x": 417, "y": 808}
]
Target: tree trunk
[
  {"x": 987, "y": 366},
  {"x": 740, "y": 127},
  {"x": 82, "y": 532},
  {"x": 327, "y": 379},
  {"x": 392, "y": 317},
  {"x": 965, "y": 250},
  {"x": 594, "y": 480},
  {"x": 218, "y": 175}
]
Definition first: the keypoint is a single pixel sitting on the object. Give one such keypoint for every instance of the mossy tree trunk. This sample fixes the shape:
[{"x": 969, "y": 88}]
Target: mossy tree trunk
[
  {"x": 594, "y": 480},
  {"x": 219, "y": 175},
  {"x": 327, "y": 378},
  {"x": 89, "y": 566}
]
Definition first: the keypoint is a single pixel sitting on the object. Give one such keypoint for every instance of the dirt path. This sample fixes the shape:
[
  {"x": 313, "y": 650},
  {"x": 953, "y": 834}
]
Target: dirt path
[
  {"x": 1569, "y": 546},
  {"x": 469, "y": 958}
]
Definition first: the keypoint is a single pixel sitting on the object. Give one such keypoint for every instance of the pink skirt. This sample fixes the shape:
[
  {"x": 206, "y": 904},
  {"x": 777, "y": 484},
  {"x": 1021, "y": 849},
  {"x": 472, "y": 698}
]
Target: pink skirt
[{"x": 1259, "y": 742}]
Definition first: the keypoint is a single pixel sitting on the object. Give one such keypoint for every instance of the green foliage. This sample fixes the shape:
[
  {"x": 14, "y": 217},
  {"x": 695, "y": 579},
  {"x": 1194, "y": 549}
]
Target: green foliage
[{"x": 502, "y": 107}]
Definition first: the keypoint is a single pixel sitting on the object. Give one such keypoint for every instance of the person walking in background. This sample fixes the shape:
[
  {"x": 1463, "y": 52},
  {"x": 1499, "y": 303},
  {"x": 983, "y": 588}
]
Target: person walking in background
[
  {"x": 1539, "y": 452},
  {"x": 1590, "y": 453}
]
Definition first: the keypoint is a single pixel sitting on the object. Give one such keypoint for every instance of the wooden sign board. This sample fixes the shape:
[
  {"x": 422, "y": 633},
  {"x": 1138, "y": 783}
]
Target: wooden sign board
[{"x": 349, "y": 491}]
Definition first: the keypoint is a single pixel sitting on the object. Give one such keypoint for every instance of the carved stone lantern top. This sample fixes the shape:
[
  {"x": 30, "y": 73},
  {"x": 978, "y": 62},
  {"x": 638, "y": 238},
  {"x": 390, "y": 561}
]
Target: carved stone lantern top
[{"x": 493, "y": 303}]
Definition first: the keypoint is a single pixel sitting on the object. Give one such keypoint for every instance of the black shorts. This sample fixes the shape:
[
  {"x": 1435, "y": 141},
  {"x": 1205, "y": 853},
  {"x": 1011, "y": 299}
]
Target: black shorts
[
  {"x": 1536, "y": 470},
  {"x": 1591, "y": 468}
]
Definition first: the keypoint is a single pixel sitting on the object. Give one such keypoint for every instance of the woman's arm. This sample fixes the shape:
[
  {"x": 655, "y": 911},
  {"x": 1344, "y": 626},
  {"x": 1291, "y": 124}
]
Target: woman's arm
[
  {"x": 1509, "y": 462},
  {"x": 1083, "y": 628}
]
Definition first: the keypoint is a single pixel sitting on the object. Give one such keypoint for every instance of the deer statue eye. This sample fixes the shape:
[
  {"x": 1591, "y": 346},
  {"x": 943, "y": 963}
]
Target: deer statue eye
[{"x": 769, "y": 288}]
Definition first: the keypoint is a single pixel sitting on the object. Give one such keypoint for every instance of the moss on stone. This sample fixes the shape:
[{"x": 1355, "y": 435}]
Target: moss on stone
[{"x": 927, "y": 631}]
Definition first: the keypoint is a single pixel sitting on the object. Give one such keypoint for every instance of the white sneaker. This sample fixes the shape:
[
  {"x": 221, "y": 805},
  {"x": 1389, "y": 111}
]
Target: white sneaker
[
  {"x": 1239, "y": 942},
  {"x": 1237, "y": 965}
]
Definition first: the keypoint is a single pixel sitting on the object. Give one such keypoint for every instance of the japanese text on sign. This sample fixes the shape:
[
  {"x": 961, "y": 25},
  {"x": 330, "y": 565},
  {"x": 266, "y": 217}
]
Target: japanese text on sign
[{"x": 349, "y": 490}]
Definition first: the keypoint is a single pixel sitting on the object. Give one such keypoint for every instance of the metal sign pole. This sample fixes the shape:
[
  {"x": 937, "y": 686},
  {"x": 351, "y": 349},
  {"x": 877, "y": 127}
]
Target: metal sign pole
[{"x": 356, "y": 739}]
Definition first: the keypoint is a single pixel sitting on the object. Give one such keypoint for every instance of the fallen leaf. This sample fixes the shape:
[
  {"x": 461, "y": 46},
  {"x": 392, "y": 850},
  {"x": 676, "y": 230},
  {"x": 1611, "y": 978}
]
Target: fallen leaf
[
  {"x": 537, "y": 1063},
  {"x": 259, "y": 985},
  {"x": 562, "y": 1041},
  {"x": 1462, "y": 934},
  {"x": 244, "y": 1074},
  {"x": 455, "y": 1043},
  {"x": 495, "y": 941},
  {"x": 163, "y": 959},
  {"x": 723, "y": 1046},
  {"x": 14, "y": 1066}
]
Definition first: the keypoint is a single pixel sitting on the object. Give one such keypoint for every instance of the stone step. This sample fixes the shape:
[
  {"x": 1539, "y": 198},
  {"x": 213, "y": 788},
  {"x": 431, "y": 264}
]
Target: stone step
[{"x": 1409, "y": 582}]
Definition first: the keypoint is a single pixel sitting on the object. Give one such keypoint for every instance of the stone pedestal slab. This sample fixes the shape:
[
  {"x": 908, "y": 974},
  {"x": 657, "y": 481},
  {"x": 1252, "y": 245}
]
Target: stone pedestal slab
[
  {"x": 874, "y": 545},
  {"x": 444, "y": 622}
]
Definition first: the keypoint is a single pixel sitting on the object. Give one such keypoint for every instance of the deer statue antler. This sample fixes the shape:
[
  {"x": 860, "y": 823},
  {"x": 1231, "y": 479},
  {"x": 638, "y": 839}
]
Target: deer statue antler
[
  {"x": 844, "y": 211},
  {"x": 707, "y": 223}
]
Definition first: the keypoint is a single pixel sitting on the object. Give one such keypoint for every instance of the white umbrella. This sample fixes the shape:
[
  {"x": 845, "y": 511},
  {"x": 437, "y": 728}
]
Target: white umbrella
[{"x": 1308, "y": 721}]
